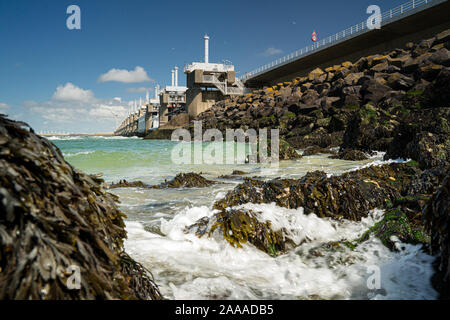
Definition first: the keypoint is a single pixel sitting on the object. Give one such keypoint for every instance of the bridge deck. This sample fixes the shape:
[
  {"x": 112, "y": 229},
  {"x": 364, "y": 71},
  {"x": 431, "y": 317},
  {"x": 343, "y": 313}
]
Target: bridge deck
[{"x": 416, "y": 24}]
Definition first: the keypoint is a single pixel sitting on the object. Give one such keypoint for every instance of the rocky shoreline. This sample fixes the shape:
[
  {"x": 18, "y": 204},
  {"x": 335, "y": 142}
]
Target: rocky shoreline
[{"x": 397, "y": 102}]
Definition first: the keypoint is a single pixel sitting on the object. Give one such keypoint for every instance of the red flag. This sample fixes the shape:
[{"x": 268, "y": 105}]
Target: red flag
[{"x": 314, "y": 36}]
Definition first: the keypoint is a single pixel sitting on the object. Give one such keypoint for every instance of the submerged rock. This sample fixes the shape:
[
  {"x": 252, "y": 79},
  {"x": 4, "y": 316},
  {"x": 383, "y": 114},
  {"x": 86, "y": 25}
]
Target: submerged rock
[
  {"x": 56, "y": 221},
  {"x": 187, "y": 180},
  {"x": 241, "y": 226}
]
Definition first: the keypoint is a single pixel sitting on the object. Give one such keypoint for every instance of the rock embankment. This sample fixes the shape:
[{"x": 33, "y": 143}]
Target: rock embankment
[
  {"x": 382, "y": 102},
  {"x": 56, "y": 221}
]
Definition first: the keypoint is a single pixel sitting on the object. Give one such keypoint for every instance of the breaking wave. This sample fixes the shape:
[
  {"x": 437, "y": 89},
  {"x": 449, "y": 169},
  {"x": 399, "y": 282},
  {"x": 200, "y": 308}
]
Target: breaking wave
[{"x": 188, "y": 267}]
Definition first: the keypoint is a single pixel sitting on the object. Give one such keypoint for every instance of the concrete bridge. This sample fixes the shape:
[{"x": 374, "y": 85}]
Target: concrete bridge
[{"x": 412, "y": 21}]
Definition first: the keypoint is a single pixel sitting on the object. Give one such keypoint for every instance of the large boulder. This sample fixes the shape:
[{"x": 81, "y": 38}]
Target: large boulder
[
  {"x": 56, "y": 221},
  {"x": 186, "y": 180},
  {"x": 370, "y": 129}
]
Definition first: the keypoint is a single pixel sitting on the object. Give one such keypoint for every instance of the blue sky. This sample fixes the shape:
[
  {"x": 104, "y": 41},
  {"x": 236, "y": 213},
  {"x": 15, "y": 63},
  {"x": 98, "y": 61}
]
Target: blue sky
[{"x": 50, "y": 76}]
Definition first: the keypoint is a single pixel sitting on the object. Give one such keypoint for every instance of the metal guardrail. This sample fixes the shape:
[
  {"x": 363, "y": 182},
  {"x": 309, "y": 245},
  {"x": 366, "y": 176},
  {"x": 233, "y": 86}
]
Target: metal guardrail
[{"x": 394, "y": 14}]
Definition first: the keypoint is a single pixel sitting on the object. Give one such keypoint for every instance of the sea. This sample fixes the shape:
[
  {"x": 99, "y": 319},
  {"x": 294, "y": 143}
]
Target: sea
[{"x": 188, "y": 267}]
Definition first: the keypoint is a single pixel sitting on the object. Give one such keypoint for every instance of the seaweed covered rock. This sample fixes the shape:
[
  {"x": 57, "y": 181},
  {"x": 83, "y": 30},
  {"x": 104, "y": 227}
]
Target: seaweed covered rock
[
  {"x": 287, "y": 152},
  {"x": 125, "y": 184},
  {"x": 264, "y": 152},
  {"x": 423, "y": 136},
  {"x": 436, "y": 215},
  {"x": 397, "y": 226},
  {"x": 55, "y": 220},
  {"x": 370, "y": 129},
  {"x": 350, "y": 196},
  {"x": 401, "y": 189},
  {"x": 241, "y": 226},
  {"x": 186, "y": 180},
  {"x": 313, "y": 150}
]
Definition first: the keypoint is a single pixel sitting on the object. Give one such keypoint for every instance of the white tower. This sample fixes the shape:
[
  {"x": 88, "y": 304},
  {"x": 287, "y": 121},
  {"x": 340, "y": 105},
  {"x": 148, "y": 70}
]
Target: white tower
[
  {"x": 176, "y": 76},
  {"x": 147, "y": 97},
  {"x": 173, "y": 77},
  {"x": 206, "y": 48}
]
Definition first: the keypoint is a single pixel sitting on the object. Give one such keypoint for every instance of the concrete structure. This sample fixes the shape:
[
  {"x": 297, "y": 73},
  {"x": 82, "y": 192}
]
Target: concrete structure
[
  {"x": 142, "y": 118},
  {"x": 172, "y": 99},
  {"x": 152, "y": 114},
  {"x": 413, "y": 21},
  {"x": 208, "y": 83}
]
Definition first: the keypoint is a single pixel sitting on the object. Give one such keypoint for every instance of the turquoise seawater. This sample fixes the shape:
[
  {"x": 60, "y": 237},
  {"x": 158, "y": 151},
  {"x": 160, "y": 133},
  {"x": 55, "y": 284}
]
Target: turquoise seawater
[{"x": 188, "y": 267}]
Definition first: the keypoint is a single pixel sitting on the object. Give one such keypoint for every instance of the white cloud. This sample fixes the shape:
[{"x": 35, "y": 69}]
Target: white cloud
[
  {"x": 271, "y": 52},
  {"x": 75, "y": 110},
  {"x": 141, "y": 89},
  {"x": 125, "y": 76},
  {"x": 4, "y": 107},
  {"x": 70, "y": 92}
]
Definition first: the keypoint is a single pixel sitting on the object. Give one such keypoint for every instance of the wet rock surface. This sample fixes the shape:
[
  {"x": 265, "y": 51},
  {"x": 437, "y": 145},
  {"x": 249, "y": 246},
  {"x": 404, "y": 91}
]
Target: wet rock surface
[
  {"x": 424, "y": 136},
  {"x": 126, "y": 184},
  {"x": 241, "y": 226},
  {"x": 313, "y": 150},
  {"x": 186, "y": 180},
  {"x": 54, "y": 220},
  {"x": 264, "y": 152},
  {"x": 399, "y": 226},
  {"x": 401, "y": 189}
]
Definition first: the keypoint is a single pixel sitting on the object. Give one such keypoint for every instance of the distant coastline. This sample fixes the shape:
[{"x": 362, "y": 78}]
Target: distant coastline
[{"x": 99, "y": 134}]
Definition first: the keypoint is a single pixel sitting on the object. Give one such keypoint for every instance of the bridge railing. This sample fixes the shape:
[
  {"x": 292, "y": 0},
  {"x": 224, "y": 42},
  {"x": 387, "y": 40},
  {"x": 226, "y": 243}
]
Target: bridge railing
[{"x": 386, "y": 17}]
